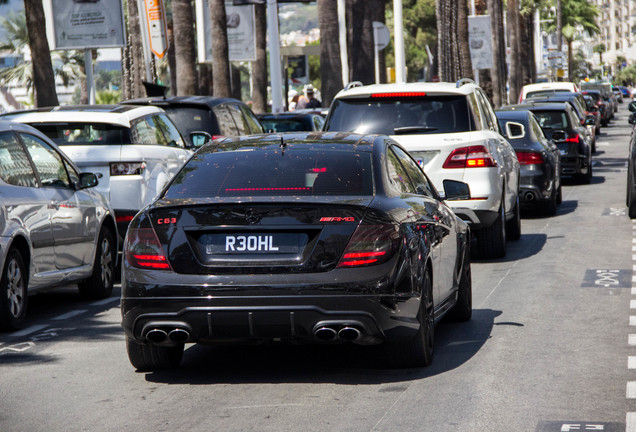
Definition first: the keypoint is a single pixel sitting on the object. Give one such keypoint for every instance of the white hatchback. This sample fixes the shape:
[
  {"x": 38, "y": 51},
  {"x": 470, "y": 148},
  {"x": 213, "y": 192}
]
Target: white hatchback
[
  {"x": 133, "y": 150},
  {"x": 452, "y": 131}
]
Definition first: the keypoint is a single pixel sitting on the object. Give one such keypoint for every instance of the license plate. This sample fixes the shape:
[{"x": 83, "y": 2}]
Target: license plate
[{"x": 248, "y": 243}]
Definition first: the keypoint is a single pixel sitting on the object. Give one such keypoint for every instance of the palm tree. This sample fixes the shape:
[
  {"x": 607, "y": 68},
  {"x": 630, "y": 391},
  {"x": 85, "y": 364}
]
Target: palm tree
[
  {"x": 360, "y": 40},
  {"x": 330, "y": 65},
  {"x": 576, "y": 14},
  {"x": 514, "y": 36},
  {"x": 185, "y": 56},
  {"x": 600, "y": 49},
  {"x": 133, "y": 62},
  {"x": 43, "y": 79},
  {"x": 498, "y": 72},
  {"x": 259, "y": 67},
  {"x": 220, "y": 49}
]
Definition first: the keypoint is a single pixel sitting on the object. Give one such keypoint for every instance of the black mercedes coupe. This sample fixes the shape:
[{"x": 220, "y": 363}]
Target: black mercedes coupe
[{"x": 309, "y": 237}]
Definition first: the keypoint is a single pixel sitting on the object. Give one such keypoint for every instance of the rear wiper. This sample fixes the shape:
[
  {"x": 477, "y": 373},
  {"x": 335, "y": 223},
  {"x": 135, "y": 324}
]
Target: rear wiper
[{"x": 412, "y": 129}]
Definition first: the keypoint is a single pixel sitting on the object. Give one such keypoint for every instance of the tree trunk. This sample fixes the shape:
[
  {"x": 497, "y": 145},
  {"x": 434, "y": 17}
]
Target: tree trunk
[
  {"x": 514, "y": 36},
  {"x": 570, "y": 61},
  {"x": 185, "y": 55},
  {"x": 259, "y": 67},
  {"x": 498, "y": 72},
  {"x": 360, "y": 41},
  {"x": 378, "y": 10},
  {"x": 43, "y": 78},
  {"x": 448, "y": 43},
  {"x": 172, "y": 58},
  {"x": 205, "y": 79},
  {"x": 559, "y": 25},
  {"x": 220, "y": 49},
  {"x": 133, "y": 66},
  {"x": 330, "y": 65},
  {"x": 465, "y": 63},
  {"x": 526, "y": 50}
]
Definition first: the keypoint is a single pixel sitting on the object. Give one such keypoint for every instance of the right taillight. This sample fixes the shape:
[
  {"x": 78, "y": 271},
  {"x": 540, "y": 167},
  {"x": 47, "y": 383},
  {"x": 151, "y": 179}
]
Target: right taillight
[
  {"x": 370, "y": 245},
  {"x": 530, "y": 158},
  {"x": 143, "y": 250},
  {"x": 470, "y": 157}
]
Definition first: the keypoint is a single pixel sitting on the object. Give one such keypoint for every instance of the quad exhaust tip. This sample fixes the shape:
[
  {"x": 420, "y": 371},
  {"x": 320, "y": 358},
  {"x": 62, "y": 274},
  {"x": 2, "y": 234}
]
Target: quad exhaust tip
[
  {"x": 161, "y": 335},
  {"x": 329, "y": 333}
]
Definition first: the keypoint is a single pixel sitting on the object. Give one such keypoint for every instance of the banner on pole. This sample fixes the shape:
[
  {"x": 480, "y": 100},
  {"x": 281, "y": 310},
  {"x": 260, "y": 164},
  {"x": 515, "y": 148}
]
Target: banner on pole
[{"x": 480, "y": 42}]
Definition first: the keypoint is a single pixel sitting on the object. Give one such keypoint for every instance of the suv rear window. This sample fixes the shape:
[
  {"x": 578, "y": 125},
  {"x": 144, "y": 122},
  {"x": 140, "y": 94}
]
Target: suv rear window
[
  {"x": 274, "y": 172},
  {"x": 391, "y": 116},
  {"x": 84, "y": 133}
]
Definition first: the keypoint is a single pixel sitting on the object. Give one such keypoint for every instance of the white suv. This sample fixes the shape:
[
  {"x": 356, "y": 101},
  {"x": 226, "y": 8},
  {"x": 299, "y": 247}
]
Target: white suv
[
  {"x": 452, "y": 131},
  {"x": 133, "y": 150}
]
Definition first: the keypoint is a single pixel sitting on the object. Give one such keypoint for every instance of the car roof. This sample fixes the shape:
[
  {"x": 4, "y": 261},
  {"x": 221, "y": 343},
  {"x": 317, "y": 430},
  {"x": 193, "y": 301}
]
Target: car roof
[
  {"x": 559, "y": 85},
  {"x": 539, "y": 106},
  {"x": 513, "y": 114},
  {"x": 290, "y": 115},
  {"x": 203, "y": 101},
  {"x": 442, "y": 88},
  {"x": 110, "y": 114}
]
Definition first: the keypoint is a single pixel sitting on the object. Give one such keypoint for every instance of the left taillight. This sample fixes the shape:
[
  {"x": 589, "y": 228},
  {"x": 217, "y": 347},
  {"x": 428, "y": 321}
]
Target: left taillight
[
  {"x": 530, "y": 158},
  {"x": 143, "y": 250},
  {"x": 470, "y": 157},
  {"x": 370, "y": 245}
]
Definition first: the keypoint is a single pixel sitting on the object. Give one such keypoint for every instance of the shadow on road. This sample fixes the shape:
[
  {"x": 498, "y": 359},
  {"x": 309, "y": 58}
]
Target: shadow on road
[{"x": 455, "y": 344}]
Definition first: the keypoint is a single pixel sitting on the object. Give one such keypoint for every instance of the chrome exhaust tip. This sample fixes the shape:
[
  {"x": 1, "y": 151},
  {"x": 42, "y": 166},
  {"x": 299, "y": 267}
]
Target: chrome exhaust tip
[
  {"x": 179, "y": 335},
  {"x": 349, "y": 334},
  {"x": 156, "y": 336},
  {"x": 325, "y": 334},
  {"x": 529, "y": 196}
]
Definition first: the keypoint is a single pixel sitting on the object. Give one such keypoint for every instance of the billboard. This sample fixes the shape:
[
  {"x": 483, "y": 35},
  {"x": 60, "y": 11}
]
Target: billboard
[
  {"x": 480, "y": 41},
  {"x": 241, "y": 30},
  {"x": 84, "y": 24}
]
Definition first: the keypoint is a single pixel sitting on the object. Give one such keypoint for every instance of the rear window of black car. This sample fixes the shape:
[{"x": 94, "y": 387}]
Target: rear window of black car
[
  {"x": 189, "y": 119},
  {"x": 285, "y": 125},
  {"x": 274, "y": 172},
  {"x": 432, "y": 114},
  {"x": 552, "y": 119}
]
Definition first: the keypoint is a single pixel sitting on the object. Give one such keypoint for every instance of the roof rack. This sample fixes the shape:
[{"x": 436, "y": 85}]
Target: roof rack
[
  {"x": 463, "y": 81},
  {"x": 353, "y": 84}
]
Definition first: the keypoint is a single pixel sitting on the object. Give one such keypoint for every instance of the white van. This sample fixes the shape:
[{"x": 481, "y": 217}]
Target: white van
[{"x": 547, "y": 89}]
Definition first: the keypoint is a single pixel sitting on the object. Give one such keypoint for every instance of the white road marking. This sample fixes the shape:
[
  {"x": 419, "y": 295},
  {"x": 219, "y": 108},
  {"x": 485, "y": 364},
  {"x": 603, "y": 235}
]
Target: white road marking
[
  {"x": 631, "y": 362},
  {"x": 630, "y": 422},
  {"x": 70, "y": 314},
  {"x": 632, "y": 304},
  {"x": 29, "y": 330},
  {"x": 632, "y": 340},
  {"x": 631, "y": 390},
  {"x": 632, "y": 320},
  {"x": 113, "y": 299}
]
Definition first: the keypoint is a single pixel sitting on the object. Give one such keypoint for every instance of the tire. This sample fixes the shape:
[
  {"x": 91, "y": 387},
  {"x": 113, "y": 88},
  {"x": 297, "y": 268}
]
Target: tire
[
  {"x": 13, "y": 291},
  {"x": 100, "y": 284},
  {"x": 418, "y": 351},
  {"x": 631, "y": 202},
  {"x": 587, "y": 177},
  {"x": 147, "y": 357},
  {"x": 491, "y": 241},
  {"x": 463, "y": 310},
  {"x": 559, "y": 194},
  {"x": 550, "y": 206},
  {"x": 513, "y": 226}
]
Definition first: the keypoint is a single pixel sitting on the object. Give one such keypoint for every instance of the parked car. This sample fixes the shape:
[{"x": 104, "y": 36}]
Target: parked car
[
  {"x": 560, "y": 123},
  {"x": 631, "y": 165},
  {"x": 452, "y": 131},
  {"x": 601, "y": 103},
  {"x": 55, "y": 228},
  {"x": 540, "y": 160},
  {"x": 313, "y": 237},
  {"x": 594, "y": 112},
  {"x": 291, "y": 122},
  {"x": 204, "y": 118},
  {"x": 606, "y": 92},
  {"x": 546, "y": 89},
  {"x": 133, "y": 150},
  {"x": 627, "y": 94},
  {"x": 580, "y": 108},
  {"x": 618, "y": 93}
]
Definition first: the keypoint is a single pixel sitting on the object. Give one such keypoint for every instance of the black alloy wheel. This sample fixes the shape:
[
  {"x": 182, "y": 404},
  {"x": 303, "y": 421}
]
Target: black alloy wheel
[
  {"x": 100, "y": 284},
  {"x": 13, "y": 291}
]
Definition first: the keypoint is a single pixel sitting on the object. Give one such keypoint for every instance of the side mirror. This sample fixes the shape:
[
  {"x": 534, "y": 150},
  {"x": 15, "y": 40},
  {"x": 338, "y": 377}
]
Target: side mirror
[
  {"x": 632, "y": 119},
  {"x": 87, "y": 180},
  {"x": 590, "y": 121},
  {"x": 456, "y": 190},
  {"x": 199, "y": 138},
  {"x": 632, "y": 106}
]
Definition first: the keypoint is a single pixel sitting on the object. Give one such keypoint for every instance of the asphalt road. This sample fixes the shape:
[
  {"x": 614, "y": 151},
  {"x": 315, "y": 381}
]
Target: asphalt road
[{"x": 551, "y": 347}]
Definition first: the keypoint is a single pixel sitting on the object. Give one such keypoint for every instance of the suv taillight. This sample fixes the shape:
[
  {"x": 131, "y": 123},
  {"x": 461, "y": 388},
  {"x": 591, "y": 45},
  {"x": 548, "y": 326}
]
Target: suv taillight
[
  {"x": 530, "y": 158},
  {"x": 470, "y": 157},
  {"x": 127, "y": 168},
  {"x": 573, "y": 138},
  {"x": 370, "y": 245},
  {"x": 143, "y": 250}
]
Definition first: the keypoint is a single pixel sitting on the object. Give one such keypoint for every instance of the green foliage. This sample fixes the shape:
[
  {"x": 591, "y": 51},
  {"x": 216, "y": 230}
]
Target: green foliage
[
  {"x": 577, "y": 13},
  {"x": 626, "y": 76},
  {"x": 108, "y": 97}
]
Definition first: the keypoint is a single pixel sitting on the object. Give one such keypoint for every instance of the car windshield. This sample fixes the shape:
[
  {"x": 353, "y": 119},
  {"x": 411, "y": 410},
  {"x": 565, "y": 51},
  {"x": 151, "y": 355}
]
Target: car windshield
[
  {"x": 274, "y": 172},
  {"x": 84, "y": 133},
  {"x": 391, "y": 116},
  {"x": 552, "y": 119}
]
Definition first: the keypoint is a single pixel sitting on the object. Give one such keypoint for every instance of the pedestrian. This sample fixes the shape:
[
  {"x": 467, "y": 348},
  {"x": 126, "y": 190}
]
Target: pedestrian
[{"x": 308, "y": 100}]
